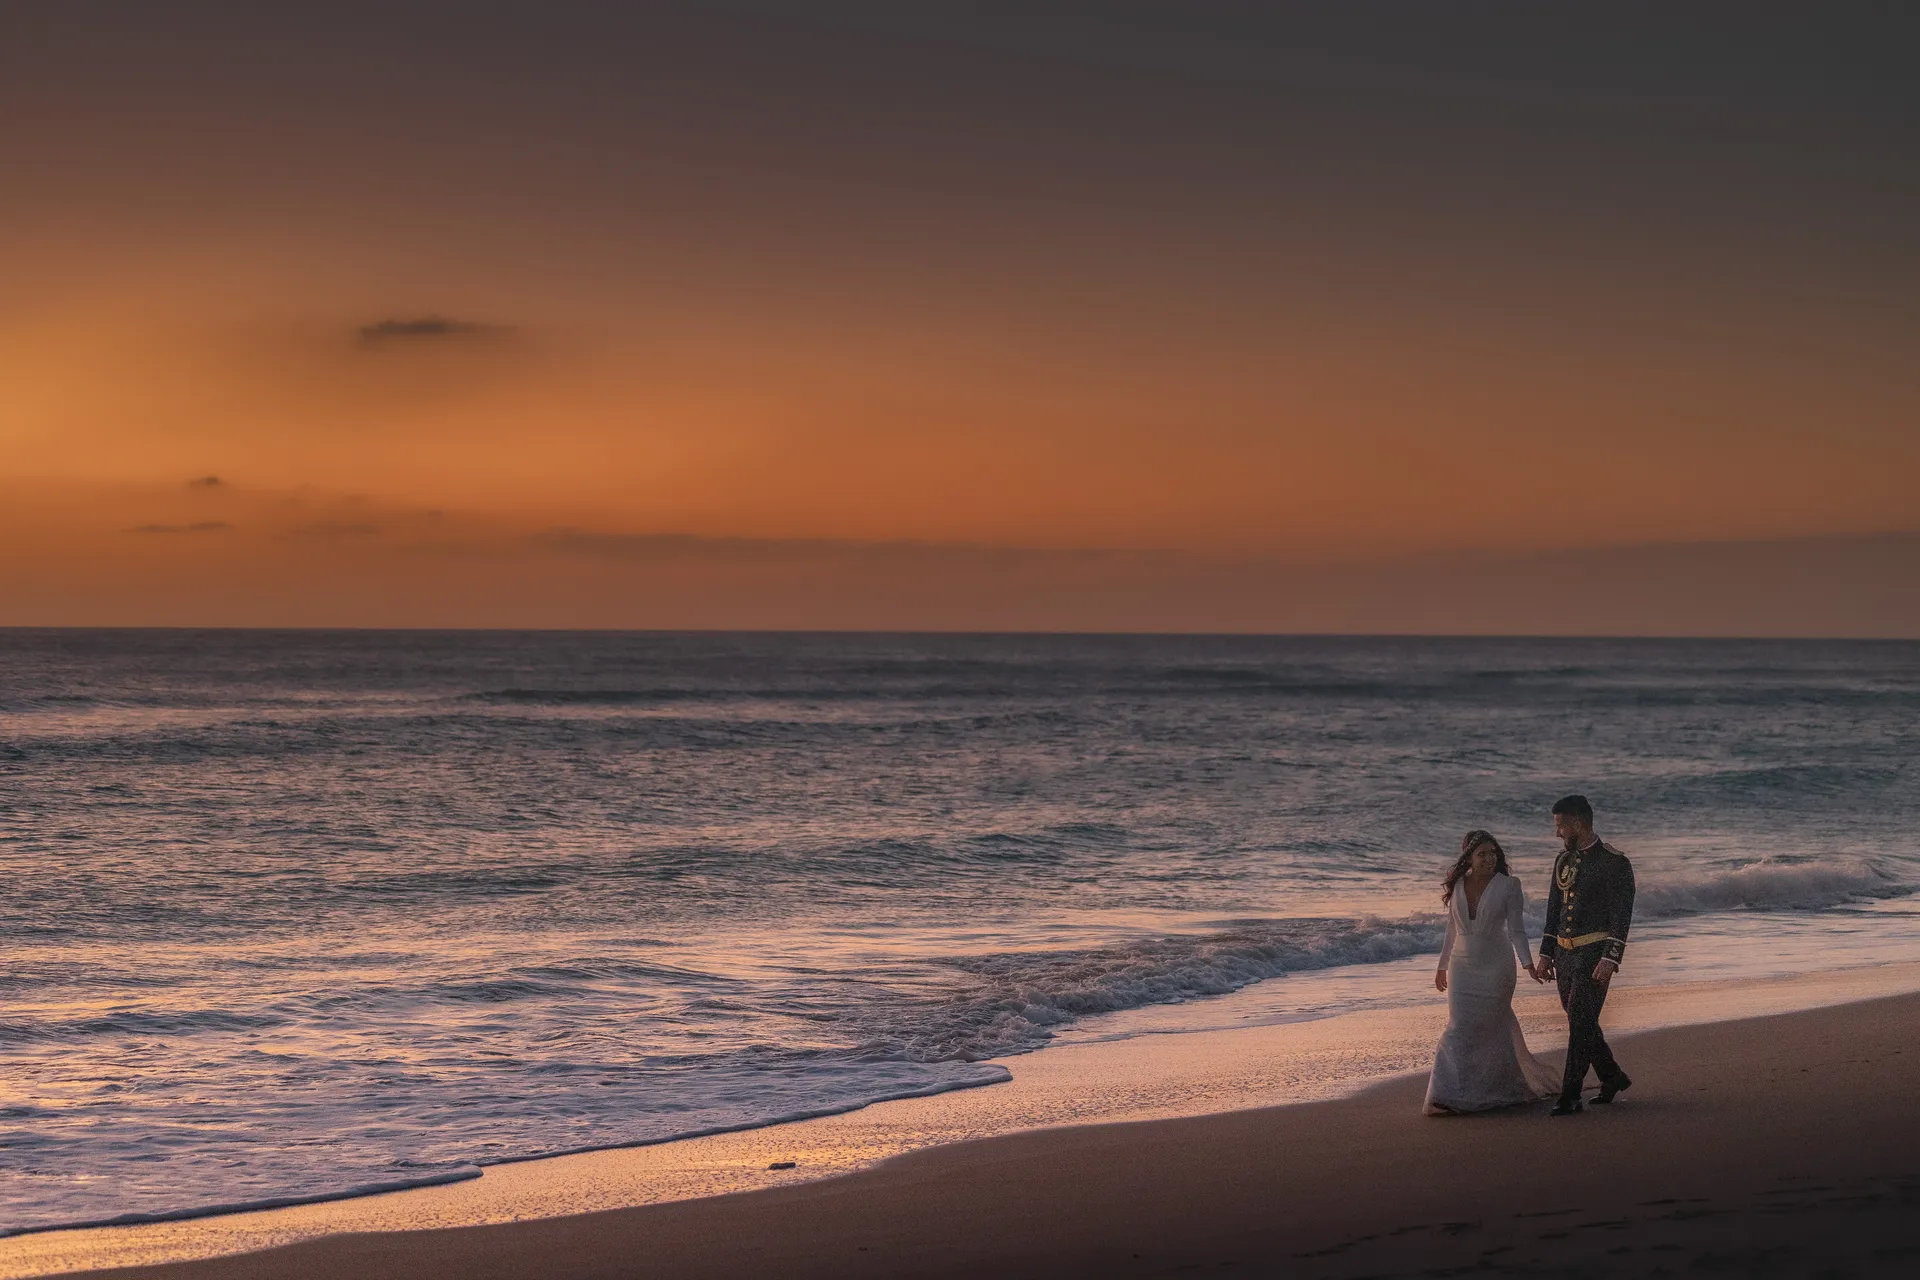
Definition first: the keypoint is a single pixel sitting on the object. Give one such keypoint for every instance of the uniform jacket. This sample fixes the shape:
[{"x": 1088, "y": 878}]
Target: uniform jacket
[{"x": 1592, "y": 894}]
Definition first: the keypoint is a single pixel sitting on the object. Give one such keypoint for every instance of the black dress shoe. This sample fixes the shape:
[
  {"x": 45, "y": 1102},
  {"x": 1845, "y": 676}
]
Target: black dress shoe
[
  {"x": 1567, "y": 1108},
  {"x": 1619, "y": 1084}
]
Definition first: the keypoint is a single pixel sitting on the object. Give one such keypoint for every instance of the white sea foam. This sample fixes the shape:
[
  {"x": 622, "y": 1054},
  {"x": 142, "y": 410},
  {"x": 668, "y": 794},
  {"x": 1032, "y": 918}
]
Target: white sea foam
[
  {"x": 749, "y": 1118},
  {"x": 437, "y": 1179}
]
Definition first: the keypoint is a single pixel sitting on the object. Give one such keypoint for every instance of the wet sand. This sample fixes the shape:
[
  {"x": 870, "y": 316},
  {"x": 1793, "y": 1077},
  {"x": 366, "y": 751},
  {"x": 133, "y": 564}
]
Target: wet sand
[{"x": 1783, "y": 1145}]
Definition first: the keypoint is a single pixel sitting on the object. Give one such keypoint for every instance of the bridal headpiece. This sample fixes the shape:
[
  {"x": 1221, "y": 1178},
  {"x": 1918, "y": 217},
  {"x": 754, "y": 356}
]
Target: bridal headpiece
[{"x": 1475, "y": 838}]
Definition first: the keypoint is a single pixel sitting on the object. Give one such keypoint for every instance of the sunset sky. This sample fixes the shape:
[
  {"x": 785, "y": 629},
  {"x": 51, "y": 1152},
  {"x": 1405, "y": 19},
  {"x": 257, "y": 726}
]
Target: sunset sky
[{"x": 1142, "y": 316}]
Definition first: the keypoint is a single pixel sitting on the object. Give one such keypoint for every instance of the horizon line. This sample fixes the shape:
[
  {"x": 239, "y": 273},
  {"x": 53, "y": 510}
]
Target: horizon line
[{"x": 983, "y": 633}]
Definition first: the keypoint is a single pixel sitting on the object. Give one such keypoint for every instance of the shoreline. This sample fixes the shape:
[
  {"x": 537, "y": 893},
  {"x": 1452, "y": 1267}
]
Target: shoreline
[
  {"x": 1783, "y": 1144},
  {"x": 1065, "y": 1088}
]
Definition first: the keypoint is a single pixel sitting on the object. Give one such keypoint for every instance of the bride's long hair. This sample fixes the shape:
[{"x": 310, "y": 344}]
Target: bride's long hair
[{"x": 1469, "y": 845}]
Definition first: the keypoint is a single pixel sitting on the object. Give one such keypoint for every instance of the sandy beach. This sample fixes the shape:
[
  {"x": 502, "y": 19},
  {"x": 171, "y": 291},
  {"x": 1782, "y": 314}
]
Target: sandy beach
[{"x": 1781, "y": 1145}]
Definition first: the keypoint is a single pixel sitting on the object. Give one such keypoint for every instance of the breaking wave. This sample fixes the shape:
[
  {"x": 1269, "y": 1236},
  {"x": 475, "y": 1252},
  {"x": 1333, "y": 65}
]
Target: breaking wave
[
  {"x": 1011, "y": 1002},
  {"x": 1768, "y": 886}
]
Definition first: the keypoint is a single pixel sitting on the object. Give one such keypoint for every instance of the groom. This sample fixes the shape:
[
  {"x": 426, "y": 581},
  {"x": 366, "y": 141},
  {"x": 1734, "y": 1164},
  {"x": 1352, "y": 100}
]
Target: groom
[{"x": 1588, "y": 911}]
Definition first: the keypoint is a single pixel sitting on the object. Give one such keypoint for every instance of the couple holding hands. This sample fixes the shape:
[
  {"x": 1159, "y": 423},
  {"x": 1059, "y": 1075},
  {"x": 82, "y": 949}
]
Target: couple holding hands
[{"x": 1483, "y": 1061}]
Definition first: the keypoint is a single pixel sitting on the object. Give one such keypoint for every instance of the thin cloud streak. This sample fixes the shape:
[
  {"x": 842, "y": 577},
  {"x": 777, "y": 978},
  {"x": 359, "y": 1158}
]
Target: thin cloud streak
[
  {"x": 198, "y": 526},
  {"x": 644, "y": 548}
]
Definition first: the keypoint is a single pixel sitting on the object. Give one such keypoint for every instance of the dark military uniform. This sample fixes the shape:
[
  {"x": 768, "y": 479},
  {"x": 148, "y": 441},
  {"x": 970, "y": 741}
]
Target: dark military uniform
[{"x": 1589, "y": 909}]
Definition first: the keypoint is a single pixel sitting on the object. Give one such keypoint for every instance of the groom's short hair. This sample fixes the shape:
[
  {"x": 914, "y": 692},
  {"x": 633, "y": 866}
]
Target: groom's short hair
[{"x": 1574, "y": 807}]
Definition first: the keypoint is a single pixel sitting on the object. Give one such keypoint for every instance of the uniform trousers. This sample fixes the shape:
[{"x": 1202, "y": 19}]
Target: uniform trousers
[{"x": 1582, "y": 998}]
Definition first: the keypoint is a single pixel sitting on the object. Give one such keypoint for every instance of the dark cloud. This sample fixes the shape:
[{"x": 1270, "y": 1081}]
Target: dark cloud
[
  {"x": 207, "y": 482},
  {"x": 392, "y": 330},
  {"x": 335, "y": 529},
  {"x": 201, "y": 526}
]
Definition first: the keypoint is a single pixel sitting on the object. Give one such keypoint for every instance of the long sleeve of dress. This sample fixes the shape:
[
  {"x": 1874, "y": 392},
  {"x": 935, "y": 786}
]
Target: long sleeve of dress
[
  {"x": 1446, "y": 948},
  {"x": 1517, "y": 925}
]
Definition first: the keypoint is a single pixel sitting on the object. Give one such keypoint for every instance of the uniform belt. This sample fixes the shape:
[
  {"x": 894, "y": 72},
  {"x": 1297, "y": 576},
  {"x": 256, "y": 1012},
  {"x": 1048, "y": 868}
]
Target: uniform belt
[{"x": 1583, "y": 940}]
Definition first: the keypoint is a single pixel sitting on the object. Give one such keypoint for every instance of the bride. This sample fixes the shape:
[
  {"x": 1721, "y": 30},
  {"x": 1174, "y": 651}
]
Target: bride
[{"x": 1483, "y": 1061}]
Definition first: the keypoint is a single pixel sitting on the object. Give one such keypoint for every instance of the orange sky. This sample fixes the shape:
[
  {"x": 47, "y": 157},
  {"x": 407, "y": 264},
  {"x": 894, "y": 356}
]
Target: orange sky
[{"x": 1200, "y": 341}]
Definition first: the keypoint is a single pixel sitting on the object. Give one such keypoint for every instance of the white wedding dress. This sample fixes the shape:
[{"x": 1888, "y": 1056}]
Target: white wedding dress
[{"x": 1483, "y": 1061}]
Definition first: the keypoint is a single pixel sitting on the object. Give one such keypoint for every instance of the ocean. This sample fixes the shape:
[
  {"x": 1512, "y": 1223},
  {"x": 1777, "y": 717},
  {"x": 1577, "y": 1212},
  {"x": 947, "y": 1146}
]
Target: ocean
[{"x": 290, "y": 915}]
